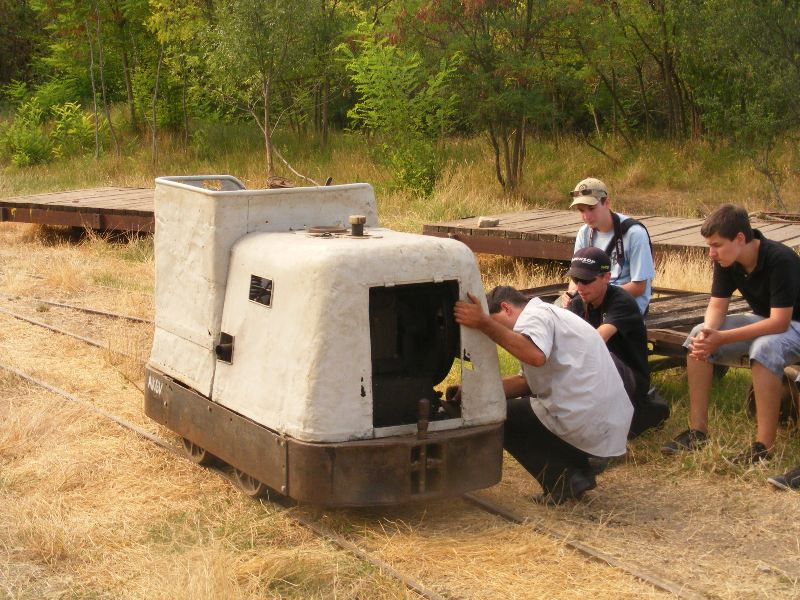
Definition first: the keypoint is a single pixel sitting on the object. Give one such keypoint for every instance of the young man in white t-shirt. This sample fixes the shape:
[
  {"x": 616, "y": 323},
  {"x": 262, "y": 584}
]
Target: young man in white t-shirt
[
  {"x": 631, "y": 258},
  {"x": 569, "y": 402}
]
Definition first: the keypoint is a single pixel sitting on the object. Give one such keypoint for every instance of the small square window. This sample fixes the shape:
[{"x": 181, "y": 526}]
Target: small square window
[{"x": 261, "y": 290}]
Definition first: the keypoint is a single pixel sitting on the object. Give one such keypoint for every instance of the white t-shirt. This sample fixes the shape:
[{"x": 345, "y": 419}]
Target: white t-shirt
[{"x": 578, "y": 393}]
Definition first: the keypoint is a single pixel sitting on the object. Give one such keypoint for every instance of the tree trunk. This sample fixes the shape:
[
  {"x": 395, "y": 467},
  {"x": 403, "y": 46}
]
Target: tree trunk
[
  {"x": 326, "y": 89},
  {"x": 496, "y": 148},
  {"x": 183, "y": 103},
  {"x": 643, "y": 94},
  {"x": 267, "y": 129},
  {"x": 519, "y": 152},
  {"x": 128, "y": 84},
  {"x": 103, "y": 82},
  {"x": 553, "y": 118},
  {"x": 94, "y": 93},
  {"x": 118, "y": 17},
  {"x": 511, "y": 182},
  {"x": 317, "y": 105},
  {"x": 155, "y": 105}
]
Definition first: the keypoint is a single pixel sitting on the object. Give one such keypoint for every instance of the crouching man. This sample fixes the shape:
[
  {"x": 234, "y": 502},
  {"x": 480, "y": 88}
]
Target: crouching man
[
  {"x": 614, "y": 313},
  {"x": 569, "y": 403}
]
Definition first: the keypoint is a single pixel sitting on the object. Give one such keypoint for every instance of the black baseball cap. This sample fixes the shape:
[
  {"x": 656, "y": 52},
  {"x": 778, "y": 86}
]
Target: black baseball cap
[{"x": 588, "y": 263}]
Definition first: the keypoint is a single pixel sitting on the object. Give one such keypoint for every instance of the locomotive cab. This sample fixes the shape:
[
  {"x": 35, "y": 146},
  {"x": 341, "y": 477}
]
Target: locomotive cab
[{"x": 309, "y": 357}]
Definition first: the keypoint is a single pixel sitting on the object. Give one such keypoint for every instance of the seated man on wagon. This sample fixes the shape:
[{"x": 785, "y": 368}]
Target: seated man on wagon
[
  {"x": 568, "y": 404},
  {"x": 624, "y": 239},
  {"x": 767, "y": 273},
  {"x": 613, "y": 312}
]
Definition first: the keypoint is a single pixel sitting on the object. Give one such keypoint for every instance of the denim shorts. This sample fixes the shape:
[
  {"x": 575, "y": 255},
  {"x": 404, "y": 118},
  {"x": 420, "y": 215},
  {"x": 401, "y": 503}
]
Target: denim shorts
[{"x": 773, "y": 351}]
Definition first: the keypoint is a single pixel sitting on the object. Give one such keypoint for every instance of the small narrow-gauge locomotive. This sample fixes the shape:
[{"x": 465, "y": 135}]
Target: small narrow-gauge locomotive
[{"x": 305, "y": 353}]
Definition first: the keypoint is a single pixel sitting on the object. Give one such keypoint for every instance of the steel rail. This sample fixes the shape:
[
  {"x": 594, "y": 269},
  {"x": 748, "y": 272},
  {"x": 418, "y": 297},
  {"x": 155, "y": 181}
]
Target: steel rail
[
  {"x": 94, "y": 311},
  {"x": 90, "y": 341},
  {"x": 664, "y": 585},
  {"x": 657, "y": 582},
  {"x": 315, "y": 528}
]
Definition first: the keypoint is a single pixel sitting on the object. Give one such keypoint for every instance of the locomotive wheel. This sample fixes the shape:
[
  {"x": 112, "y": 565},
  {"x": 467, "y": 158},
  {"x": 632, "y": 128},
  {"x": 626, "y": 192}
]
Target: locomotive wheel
[
  {"x": 250, "y": 485},
  {"x": 197, "y": 454}
]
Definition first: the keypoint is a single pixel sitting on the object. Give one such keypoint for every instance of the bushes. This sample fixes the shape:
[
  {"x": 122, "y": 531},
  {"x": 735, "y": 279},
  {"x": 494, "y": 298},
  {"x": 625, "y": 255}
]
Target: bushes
[
  {"x": 404, "y": 100},
  {"x": 30, "y": 139},
  {"x": 415, "y": 164},
  {"x": 73, "y": 130},
  {"x": 24, "y": 141}
]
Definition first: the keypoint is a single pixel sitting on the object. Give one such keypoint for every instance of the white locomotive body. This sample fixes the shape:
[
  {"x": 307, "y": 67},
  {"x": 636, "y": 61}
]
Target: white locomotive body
[{"x": 306, "y": 356}]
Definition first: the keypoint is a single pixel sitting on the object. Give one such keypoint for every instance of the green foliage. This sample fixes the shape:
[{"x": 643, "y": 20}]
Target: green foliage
[
  {"x": 16, "y": 93},
  {"x": 30, "y": 138},
  {"x": 513, "y": 70},
  {"x": 415, "y": 164},
  {"x": 62, "y": 90},
  {"x": 397, "y": 94},
  {"x": 24, "y": 141},
  {"x": 73, "y": 130},
  {"x": 408, "y": 103}
]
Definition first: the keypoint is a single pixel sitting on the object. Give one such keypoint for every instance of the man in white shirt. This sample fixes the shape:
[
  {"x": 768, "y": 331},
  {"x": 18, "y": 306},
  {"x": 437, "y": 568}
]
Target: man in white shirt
[
  {"x": 569, "y": 402},
  {"x": 624, "y": 239}
]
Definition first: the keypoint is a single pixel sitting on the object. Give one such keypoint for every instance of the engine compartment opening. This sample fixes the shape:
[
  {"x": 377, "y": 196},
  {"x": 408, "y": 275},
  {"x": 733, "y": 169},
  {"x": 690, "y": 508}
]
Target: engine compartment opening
[{"x": 414, "y": 339}]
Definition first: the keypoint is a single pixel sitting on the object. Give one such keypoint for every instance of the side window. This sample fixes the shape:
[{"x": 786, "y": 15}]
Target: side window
[{"x": 261, "y": 290}]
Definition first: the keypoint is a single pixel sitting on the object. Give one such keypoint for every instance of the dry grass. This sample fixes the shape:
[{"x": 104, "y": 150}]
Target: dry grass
[
  {"x": 89, "y": 509},
  {"x": 656, "y": 177},
  {"x": 684, "y": 272}
]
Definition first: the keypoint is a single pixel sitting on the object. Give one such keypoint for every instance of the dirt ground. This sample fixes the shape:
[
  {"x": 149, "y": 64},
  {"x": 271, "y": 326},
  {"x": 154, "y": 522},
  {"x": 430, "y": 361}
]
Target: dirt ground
[{"x": 89, "y": 510}]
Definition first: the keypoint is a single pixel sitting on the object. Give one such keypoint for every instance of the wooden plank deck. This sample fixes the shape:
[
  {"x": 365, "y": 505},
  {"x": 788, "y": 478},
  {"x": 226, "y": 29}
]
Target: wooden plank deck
[
  {"x": 550, "y": 234},
  {"x": 117, "y": 208}
]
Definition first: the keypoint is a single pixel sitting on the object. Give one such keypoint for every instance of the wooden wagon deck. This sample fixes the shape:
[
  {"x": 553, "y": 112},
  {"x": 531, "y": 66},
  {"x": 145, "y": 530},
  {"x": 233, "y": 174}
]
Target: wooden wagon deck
[
  {"x": 550, "y": 234},
  {"x": 117, "y": 208}
]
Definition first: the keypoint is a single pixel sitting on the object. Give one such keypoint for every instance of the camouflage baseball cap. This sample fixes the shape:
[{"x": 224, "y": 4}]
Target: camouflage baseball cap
[{"x": 589, "y": 191}]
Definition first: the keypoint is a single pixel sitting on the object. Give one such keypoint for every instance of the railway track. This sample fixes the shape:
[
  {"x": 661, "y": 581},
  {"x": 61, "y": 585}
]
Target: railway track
[{"x": 487, "y": 506}]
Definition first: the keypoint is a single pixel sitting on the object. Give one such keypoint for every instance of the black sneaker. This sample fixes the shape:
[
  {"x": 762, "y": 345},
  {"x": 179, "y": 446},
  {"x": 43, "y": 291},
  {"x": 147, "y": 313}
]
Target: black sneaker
[
  {"x": 686, "y": 441},
  {"x": 756, "y": 453},
  {"x": 576, "y": 484},
  {"x": 598, "y": 464},
  {"x": 788, "y": 481}
]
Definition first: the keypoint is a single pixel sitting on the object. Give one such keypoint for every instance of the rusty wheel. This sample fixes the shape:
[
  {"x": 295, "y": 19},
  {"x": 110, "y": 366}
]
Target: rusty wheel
[
  {"x": 197, "y": 454},
  {"x": 250, "y": 485}
]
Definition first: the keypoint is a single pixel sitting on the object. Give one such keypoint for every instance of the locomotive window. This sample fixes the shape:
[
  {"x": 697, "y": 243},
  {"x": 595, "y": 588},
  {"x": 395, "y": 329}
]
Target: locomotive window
[{"x": 261, "y": 290}]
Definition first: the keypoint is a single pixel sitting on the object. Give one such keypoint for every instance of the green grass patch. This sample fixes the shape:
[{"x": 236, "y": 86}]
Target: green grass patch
[{"x": 115, "y": 281}]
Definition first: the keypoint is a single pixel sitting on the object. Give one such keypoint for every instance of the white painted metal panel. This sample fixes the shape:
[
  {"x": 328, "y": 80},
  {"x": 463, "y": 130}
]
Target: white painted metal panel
[{"x": 303, "y": 365}]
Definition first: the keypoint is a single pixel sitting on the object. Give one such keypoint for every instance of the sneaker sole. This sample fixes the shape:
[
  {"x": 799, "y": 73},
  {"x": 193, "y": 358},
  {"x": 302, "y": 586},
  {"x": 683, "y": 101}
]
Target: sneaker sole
[
  {"x": 779, "y": 484},
  {"x": 666, "y": 451}
]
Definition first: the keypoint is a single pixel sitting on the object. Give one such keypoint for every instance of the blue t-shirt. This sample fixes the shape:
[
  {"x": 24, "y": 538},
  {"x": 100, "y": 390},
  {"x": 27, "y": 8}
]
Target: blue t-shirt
[{"x": 638, "y": 263}]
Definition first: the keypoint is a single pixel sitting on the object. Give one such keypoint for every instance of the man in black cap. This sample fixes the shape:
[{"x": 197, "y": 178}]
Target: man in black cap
[{"x": 614, "y": 313}]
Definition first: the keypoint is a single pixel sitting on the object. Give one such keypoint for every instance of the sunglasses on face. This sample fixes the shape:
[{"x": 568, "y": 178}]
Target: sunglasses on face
[
  {"x": 579, "y": 281},
  {"x": 585, "y": 192}
]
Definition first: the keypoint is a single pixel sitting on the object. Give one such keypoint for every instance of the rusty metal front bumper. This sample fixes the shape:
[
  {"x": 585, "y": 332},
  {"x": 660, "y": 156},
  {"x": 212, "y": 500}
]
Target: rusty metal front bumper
[{"x": 361, "y": 473}]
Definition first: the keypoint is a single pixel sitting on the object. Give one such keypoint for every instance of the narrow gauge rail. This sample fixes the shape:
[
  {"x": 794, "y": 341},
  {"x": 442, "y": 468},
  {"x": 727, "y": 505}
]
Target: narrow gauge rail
[{"x": 659, "y": 583}]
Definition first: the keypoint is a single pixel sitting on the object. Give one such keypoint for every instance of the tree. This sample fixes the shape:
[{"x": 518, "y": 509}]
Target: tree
[
  {"x": 399, "y": 97},
  {"x": 507, "y": 77},
  {"x": 747, "y": 78},
  {"x": 253, "y": 45},
  {"x": 19, "y": 40}
]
